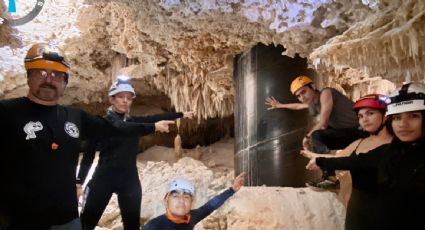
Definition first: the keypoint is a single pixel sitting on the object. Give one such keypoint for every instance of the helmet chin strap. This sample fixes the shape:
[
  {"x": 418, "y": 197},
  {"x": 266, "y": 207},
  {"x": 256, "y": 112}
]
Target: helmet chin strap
[
  {"x": 378, "y": 130},
  {"x": 380, "y": 127}
]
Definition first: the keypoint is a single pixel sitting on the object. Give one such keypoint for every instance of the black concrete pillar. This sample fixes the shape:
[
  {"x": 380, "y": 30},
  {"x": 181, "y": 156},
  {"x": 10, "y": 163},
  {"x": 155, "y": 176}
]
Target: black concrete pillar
[{"x": 267, "y": 143}]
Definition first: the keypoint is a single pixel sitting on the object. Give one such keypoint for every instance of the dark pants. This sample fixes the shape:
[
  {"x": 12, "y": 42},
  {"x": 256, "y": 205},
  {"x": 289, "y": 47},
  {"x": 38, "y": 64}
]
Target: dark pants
[
  {"x": 35, "y": 218},
  {"x": 129, "y": 193},
  {"x": 323, "y": 140},
  {"x": 72, "y": 225}
]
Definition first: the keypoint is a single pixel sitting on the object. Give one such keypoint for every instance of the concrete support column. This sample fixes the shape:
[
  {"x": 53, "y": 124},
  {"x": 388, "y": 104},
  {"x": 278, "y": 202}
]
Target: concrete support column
[{"x": 267, "y": 143}]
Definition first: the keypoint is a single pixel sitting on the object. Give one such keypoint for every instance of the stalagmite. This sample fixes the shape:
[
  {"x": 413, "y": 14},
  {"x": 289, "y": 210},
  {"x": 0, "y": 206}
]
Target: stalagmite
[
  {"x": 198, "y": 153},
  {"x": 178, "y": 150}
]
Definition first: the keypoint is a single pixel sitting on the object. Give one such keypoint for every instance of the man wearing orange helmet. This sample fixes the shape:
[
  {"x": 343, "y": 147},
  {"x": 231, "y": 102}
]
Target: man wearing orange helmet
[
  {"x": 40, "y": 143},
  {"x": 337, "y": 126}
]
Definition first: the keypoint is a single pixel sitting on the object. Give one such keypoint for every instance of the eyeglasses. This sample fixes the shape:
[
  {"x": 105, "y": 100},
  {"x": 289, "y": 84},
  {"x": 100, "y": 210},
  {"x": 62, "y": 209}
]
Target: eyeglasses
[{"x": 56, "y": 76}]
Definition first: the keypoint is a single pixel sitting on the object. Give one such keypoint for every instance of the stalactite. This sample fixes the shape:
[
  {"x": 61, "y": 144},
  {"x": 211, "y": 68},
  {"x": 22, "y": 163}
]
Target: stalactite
[{"x": 178, "y": 149}]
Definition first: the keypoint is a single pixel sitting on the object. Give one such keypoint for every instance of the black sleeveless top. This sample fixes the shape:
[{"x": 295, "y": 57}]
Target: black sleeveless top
[{"x": 364, "y": 179}]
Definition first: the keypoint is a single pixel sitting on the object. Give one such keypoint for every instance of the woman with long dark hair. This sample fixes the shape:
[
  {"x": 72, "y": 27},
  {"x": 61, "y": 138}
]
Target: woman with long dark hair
[
  {"x": 370, "y": 111},
  {"x": 400, "y": 168}
]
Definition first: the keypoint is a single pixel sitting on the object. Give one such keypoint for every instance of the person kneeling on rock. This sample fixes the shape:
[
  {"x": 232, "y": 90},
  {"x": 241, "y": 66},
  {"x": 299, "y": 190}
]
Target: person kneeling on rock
[{"x": 179, "y": 200}]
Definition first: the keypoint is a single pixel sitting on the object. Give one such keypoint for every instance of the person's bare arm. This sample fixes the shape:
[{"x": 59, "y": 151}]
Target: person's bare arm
[
  {"x": 348, "y": 150},
  {"x": 343, "y": 153},
  {"x": 239, "y": 182},
  {"x": 275, "y": 104},
  {"x": 309, "y": 154}
]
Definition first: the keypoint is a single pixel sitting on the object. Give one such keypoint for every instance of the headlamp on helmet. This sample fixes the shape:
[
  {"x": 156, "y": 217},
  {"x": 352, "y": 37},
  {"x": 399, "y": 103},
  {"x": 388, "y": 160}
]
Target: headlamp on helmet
[
  {"x": 46, "y": 56},
  {"x": 122, "y": 84},
  {"x": 410, "y": 97},
  {"x": 374, "y": 101}
]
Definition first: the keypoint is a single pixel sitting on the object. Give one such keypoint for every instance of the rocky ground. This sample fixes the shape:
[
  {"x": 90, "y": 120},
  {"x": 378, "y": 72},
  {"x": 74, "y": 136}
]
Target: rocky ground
[{"x": 251, "y": 208}]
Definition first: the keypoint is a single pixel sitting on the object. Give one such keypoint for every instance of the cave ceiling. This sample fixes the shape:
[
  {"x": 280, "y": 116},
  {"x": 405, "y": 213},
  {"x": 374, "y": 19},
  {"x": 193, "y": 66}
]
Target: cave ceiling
[{"x": 184, "y": 49}]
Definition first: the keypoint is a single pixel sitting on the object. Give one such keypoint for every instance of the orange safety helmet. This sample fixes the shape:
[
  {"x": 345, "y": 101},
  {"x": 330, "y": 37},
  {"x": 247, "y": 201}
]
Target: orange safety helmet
[
  {"x": 46, "y": 56},
  {"x": 299, "y": 82}
]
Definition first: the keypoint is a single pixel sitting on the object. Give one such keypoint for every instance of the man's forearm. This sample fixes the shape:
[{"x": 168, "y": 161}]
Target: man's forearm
[
  {"x": 292, "y": 106},
  {"x": 317, "y": 126}
]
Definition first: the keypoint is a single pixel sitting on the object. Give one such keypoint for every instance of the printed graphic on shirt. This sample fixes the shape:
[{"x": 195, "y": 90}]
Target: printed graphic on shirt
[
  {"x": 31, "y": 127},
  {"x": 72, "y": 129}
]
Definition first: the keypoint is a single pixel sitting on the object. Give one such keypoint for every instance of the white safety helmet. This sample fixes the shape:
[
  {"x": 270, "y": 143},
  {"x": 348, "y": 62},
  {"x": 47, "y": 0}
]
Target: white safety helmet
[
  {"x": 122, "y": 84},
  {"x": 410, "y": 97},
  {"x": 181, "y": 185}
]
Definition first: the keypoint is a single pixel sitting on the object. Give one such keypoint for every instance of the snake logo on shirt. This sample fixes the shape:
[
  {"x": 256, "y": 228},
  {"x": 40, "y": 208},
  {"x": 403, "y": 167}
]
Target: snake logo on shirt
[
  {"x": 31, "y": 127},
  {"x": 72, "y": 129}
]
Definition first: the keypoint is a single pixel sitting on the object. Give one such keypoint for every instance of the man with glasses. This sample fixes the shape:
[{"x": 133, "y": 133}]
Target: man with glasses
[
  {"x": 40, "y": 143},
  {"x": 336, "y": 128}
]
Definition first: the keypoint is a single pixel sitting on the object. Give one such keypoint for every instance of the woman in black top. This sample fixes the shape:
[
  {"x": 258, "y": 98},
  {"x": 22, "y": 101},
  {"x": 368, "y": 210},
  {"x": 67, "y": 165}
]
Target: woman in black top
[
  {"x": 400, "y": 169},
  {"x": 370, "y": 111},
  {"x": 116, "y": 171}
]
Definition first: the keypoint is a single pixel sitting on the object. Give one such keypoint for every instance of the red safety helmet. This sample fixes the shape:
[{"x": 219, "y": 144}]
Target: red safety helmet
[{"x": 374, "y": 101}]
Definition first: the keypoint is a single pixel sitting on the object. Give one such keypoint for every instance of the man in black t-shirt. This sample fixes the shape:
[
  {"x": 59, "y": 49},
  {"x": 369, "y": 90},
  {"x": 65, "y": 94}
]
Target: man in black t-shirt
[{"x": 40, "y": 142}]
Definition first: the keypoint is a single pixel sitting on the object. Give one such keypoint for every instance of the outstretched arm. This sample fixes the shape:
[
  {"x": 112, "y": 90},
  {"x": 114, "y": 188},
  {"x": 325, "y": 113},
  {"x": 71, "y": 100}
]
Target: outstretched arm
[
  {"x": 275, "y": 104},
  {"x": 217, "y": 201},
  {"x": 163, "y": 116},
  {"x": 345, "y": 152},
  {"x": 239, "y": 181},
  {"x": 98, "y": 127},
  {"x": 156, "y": 117},
  {"x": 361, "y": 161},
  {"x": 310, "y": 155}
]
